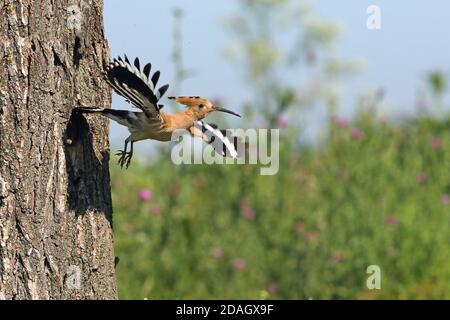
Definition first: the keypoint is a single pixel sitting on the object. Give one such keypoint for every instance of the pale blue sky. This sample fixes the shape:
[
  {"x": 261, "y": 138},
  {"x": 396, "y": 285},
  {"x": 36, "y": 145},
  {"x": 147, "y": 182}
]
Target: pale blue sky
[{"x": 412, "y": 41}]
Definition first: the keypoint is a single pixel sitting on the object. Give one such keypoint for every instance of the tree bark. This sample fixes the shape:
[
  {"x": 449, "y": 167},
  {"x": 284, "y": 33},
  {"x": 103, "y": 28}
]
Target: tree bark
[{"x": 55, "y": 199}]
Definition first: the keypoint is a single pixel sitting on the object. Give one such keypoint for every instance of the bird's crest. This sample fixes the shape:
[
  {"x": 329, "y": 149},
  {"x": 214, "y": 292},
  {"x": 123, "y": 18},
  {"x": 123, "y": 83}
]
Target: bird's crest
[{"x": 191, "y": 101}]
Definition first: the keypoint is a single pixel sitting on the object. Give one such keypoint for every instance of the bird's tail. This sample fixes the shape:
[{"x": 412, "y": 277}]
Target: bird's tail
[
  {"x": 90, "y": 110},
  {"x": 110, "y": 113},
  {"x": 124, "y": 117}
]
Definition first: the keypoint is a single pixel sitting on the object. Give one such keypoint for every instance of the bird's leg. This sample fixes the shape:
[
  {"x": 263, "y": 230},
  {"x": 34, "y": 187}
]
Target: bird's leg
[
  {"x": 129, "y": 155},
  {"x": 123, "y": 154}
]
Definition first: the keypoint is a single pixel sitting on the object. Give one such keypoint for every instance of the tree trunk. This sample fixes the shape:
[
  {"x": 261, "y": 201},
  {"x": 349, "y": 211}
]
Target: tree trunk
[{"x": 55, "y": 199}]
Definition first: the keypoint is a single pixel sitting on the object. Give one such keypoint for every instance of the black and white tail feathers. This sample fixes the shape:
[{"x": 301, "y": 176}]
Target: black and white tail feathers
[
  {"x": 136, "y": 86},
  {"x": 124, "y": 117},
  {"x": 223, "y": 143}
]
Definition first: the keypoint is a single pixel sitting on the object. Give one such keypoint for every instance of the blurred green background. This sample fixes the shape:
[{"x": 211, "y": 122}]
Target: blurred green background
[{"x": 369, "y": 190}]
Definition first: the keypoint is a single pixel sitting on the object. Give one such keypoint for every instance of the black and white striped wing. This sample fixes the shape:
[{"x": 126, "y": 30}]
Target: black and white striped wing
[
  {"x": 136, "y": 86},
  {"x": 223, "y": 144}
]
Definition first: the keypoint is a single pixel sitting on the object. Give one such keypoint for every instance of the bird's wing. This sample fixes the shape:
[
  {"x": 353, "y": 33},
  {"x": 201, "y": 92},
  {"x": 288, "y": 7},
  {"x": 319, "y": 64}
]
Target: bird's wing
[
  {"x": 190, "y": 101},
  {"x": 223, "y": 143},
  {"x": 135, "y": 85}
]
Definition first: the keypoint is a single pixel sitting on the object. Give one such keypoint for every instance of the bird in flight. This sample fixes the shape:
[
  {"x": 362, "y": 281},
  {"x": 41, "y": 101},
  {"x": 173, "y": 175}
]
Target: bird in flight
[{"x": 139, "y": 89}]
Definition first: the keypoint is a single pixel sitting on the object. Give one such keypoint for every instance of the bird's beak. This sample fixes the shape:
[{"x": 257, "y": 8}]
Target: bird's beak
[{"x": 227, "y": 111}]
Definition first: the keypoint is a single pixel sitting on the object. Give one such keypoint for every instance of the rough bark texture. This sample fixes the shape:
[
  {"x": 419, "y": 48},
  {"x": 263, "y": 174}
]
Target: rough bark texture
[{"x": 55, "y": 199}]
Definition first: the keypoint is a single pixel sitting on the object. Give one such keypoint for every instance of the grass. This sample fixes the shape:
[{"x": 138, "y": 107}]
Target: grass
[{"x": 375, "y": 193}]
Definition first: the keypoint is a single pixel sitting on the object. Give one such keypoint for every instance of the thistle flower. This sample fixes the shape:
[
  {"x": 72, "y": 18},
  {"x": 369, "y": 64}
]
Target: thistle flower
[
  {"x": 392, "y": 221},
  {"x": 337, "y": 258},
  {"x": 239, "y": 264},
  {"x": 272, "y": 287},
  {"x": 217, "y": 252},
  {"x": 421, "y": 177},
  {"x": 247, "y": 211},
  {"x": 154, "y": 210},
  {"x": 342, "y": 123},
  {"x": 282, "y": 122},
  {"x": 436, "y": 143},
  {"x": 145, "y": 195},
  {"x": 445, "y": 199},
  {"x": 357, "y": 134}
]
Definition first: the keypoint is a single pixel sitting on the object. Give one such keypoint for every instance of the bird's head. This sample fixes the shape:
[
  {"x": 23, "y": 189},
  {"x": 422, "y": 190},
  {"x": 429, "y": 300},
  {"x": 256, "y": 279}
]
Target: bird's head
[{"x": 200, "y": 107}]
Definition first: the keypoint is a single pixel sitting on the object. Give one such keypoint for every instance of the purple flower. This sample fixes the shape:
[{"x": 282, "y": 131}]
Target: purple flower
[
  {"x": 337, "y": 258},
  {"x": 217, "y": 252},
  {"x": 154, "y": 210},
  {"x": 342, "y": 123},
  {"x": 282, "y": 122},
  {"x": 357, "y": 134},
  {"x": 421, "y": 177},
  {"x": 392, "y": 221},
  {"x": 247, "y": 210},
  {"x": 272, "y": 287},
  {"x": 145, "y": 195},
  {"x": 239, "y": 264},
  {"x": 445, "y": 199},
  {"x": 436, "y": 143}
]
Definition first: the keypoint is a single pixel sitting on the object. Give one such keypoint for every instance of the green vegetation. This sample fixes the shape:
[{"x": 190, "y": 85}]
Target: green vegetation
[{"x": 374, "y": 193}]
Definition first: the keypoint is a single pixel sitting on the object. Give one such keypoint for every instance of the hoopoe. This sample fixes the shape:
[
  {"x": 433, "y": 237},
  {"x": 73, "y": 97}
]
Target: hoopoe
[{"x": 139, "y": 89}]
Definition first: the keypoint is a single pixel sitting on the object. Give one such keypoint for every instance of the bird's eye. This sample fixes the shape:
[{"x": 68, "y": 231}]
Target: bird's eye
[{"x": 200, "y": 106}]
